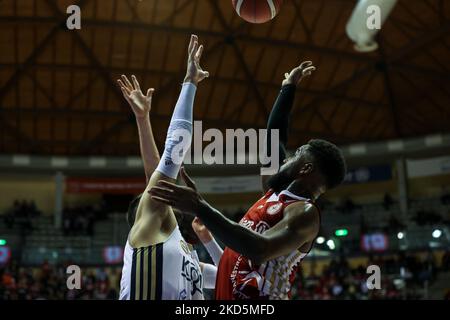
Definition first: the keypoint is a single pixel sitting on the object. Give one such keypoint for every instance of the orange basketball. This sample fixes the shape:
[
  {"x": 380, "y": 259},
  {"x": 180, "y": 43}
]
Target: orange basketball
[{"x": 257, "y": 11}]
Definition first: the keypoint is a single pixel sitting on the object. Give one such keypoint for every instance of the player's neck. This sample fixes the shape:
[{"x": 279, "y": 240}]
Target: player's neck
[{"x": 298, "y": 189}]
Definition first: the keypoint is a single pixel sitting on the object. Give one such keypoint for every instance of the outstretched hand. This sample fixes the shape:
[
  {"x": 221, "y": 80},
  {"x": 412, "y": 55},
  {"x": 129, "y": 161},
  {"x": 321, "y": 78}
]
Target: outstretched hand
[
  {"x": 195, "y": 73},
  {"x": 201, "y": 231},
  {"x": 139, "y": 103},
  {"x": 185, "y": 199},
  {"x": 305, "y": 69}
]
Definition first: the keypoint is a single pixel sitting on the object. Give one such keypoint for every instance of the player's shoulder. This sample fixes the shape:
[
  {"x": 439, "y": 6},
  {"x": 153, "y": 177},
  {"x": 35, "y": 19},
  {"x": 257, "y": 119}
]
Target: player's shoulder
[
  {"x": 303, "y": 206},
  {"x": 303, "y": 212}
]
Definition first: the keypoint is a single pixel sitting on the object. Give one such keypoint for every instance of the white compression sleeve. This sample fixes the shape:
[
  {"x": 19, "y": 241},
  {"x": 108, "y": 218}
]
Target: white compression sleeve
[
  {"x": 179, "y": 134},
  {"x": 209, "y": 276},
  {"x": 214, "y": 250}
]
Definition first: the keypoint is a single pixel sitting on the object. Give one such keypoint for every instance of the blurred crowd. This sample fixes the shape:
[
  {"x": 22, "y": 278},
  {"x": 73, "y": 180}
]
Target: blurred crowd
[
  {"x": 403, "y": 277},
  {"x": 22, "y": 214},
  {"x": 48, "y": 282},
  {"x": 78, "y": 220}
]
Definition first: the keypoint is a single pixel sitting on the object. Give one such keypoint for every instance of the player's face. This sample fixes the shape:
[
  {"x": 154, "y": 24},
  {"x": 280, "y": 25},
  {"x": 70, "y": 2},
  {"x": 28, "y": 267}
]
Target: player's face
[
  {"x": 290, "y": 164},
  {"x": 287, "y": 173}
]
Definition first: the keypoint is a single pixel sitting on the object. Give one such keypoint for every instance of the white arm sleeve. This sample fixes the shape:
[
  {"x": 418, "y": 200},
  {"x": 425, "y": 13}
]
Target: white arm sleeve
[
  {"x": 179, "y": 135},
  {"x": 209, "y": 276},
  {"x": 214, "y": 250}
]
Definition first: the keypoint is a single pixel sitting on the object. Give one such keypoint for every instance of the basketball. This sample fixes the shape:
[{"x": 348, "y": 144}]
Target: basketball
[{"x": 257, "y": 11}]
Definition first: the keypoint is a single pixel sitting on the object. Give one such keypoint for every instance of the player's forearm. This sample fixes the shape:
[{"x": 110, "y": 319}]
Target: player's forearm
[
  {"x": 279, "y": 116},
  {"x": 279, "y": 120},
  {"x": 233, "y": 235},
  {"x": 149, "y": 151},
  {"x": 214, "y": 250},
  {"x": 209, "y": 275}
]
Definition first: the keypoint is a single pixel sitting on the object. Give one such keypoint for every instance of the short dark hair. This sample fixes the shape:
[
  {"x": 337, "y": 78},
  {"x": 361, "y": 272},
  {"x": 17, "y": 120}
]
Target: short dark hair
[
  {"x": 330, "y": 161},
  {"x": 132, "y": 209}
]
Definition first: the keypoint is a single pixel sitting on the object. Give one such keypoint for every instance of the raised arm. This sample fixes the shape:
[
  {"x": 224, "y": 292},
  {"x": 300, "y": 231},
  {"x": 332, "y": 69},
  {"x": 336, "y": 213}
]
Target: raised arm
[
  {"x": 281, "y": 111},
  {"x": 141, "y": 105},
  {"x": 299, "y": 225},
  {"x": 154, "y": 221}
]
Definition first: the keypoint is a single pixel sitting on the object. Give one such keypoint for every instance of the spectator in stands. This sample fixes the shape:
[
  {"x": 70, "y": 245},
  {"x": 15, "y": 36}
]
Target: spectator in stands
[
  {"x": 78, "y": 220},
  {"x": 22, "y": 213}
]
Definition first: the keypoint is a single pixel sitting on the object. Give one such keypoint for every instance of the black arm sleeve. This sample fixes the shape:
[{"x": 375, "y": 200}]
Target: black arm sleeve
[{"x": 279, "y": 118}]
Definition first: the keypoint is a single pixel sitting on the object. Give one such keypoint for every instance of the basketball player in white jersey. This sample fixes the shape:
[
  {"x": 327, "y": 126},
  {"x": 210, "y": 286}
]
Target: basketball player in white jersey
[{"x": 158, "y": 263}]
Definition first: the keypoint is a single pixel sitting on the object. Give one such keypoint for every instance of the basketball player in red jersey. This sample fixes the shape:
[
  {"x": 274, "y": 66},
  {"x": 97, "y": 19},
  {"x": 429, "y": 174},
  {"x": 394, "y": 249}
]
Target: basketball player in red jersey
[{"x": 278, "y": 231}]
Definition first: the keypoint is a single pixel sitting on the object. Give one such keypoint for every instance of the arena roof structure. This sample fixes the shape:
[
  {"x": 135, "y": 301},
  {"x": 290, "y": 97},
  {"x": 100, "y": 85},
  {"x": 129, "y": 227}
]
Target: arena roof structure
[{"x": 58, "y": 94}]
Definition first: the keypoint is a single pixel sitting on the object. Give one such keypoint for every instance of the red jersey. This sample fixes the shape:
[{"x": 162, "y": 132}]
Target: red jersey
[{"x": 238, "y": 278}]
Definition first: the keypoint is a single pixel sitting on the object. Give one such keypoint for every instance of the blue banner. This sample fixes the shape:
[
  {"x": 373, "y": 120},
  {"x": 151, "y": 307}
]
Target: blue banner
[{"x": 369, "y": 174}]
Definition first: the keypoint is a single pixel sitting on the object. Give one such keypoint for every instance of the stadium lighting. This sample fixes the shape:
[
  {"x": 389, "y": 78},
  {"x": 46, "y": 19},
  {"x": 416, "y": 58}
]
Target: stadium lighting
[
  {"x": 341, "y": 232},
  {"x": 2, "y": 242},
  {"x": 320, "y": 240},
  {"x": 331, "y": 245},
  {"x": 436, "y": 233},
  {"x": 400, "y": 235}
]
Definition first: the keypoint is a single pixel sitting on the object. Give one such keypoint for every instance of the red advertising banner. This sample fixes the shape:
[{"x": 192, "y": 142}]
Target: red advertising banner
[{"x": 105, "y": 185}]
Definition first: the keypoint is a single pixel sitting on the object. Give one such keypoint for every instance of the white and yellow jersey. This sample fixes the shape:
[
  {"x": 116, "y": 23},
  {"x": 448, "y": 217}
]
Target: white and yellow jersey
[{"x": 165, "y": 271}]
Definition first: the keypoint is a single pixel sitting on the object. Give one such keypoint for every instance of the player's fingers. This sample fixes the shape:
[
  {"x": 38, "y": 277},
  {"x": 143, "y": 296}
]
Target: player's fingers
[
  {"x": 305, "y": 64},
  {"x": 189, "y": 182},
  {"x": 136, "y": 83},
  {"x": 168, "y": 185},
  {"x": 162, "y": 200},
  {"x": 199, "y": 222},
  {"x": 308, "y": 71},
  {"x": 123, "y": 87},
  {"x": 162, "y": 193},
  {"x": 125, "y": 93},
  {"x": 205, "y": 74},
  {"x": 191, "y": 43},
  {"x": 161, "y": 190},
  {"x": 194, "y": 49},
  {"x": 127, "y": 82},
  {"x": 199, "y": 53},
  {"x": 150, "y": 92}
]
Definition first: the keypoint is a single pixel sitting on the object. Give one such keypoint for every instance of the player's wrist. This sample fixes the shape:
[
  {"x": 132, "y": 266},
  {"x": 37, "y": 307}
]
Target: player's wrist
[
  {"x": 288, "y": 85},
  {"x": 205, "y": 238},
  {"x": 191, "y": 79},
  {"x": 141, "y": 118},
  {"x": 290, "y": 82}
]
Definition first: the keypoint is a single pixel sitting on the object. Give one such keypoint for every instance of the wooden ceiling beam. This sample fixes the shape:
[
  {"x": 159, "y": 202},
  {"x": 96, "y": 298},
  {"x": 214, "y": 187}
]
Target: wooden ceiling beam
[{"x": 159, "y": 28}]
